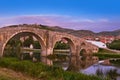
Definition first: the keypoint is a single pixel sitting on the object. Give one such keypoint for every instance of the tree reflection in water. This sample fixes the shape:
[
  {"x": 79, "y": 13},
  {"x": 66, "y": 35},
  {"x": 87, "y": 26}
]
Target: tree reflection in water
[{"x": 112, "y": 73}]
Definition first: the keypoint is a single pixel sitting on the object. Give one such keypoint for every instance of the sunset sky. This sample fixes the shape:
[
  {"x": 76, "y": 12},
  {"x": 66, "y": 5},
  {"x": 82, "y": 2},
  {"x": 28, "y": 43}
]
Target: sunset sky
[{"x": 95, "y": 15}]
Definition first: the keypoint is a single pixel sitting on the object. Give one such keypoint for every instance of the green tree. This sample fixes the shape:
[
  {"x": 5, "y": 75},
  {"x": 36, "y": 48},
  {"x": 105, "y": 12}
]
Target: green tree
[
  {"x": 114, "y": 45},
  {"x": 28, "y": 41},
  {"x": 13, "y": 48},
  {"x": 60, "y": 45},
  {"x": 36, "y": 45}
]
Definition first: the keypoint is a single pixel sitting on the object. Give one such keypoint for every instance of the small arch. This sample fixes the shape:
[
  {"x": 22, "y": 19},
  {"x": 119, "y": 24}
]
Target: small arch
[
  {"x": 83, "y": 52},
  {"x": 69, "y": 42},
  {"x": 24, "y": 33},
  {"x": 83, "y": 44}
]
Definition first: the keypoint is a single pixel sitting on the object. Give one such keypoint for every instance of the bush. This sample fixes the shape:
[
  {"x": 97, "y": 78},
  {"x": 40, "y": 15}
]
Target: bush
[
  {"x": 60, "y": 45},
  {"x": 36, "y": 45},
  {"x": 114, "y": 45},
  {"x": 28, "y": 42},
  {"x": 13, "y": 48}
]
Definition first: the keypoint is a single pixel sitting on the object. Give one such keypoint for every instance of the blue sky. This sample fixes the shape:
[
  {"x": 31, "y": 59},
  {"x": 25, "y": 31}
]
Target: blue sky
[{"x": 95, "y": 15}]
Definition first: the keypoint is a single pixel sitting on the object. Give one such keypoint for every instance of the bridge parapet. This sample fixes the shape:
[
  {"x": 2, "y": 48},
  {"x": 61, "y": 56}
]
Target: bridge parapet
[{"x": 46, "y": 38}]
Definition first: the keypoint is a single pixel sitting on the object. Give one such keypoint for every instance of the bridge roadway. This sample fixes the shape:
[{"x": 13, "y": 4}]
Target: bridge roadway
[{"x": 46, "y": 38}]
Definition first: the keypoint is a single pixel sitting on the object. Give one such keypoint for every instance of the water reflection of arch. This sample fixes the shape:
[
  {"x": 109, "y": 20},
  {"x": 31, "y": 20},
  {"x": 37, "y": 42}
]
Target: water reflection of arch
[
  {"x": 76, "y": 63},
  {"x": 70, "y": 42},
  {"x": 46, "y": 61},
  {"x": 24, "y": 33}
]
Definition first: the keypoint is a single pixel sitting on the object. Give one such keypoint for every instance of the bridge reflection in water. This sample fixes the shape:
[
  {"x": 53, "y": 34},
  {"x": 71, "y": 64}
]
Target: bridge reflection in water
[{"x": 67, "y": 62}]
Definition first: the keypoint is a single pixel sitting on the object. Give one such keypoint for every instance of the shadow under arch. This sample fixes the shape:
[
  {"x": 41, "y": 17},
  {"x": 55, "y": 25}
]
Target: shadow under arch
[
  {"x": 69, "y": 42},
  {"x": 83, "y": 44},
  {"x": 26, "y": 33},
  {"x": 83, "y": 52}
]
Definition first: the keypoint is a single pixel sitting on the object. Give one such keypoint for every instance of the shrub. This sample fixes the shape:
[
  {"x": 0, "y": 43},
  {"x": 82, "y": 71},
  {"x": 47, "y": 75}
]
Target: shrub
[{"x": 114, "y": 45}]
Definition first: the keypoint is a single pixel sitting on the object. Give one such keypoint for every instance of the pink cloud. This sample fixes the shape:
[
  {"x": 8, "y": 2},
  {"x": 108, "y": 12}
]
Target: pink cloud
[{"x": 64, "y": 21}]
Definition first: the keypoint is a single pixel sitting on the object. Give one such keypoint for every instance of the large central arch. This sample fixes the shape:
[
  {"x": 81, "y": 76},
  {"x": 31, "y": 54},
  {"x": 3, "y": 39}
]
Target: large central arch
[{"x": 24, "y": 33}]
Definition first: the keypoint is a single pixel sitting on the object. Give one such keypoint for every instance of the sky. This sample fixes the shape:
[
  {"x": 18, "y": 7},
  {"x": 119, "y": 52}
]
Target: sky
[{"x": 95, "y": 15}]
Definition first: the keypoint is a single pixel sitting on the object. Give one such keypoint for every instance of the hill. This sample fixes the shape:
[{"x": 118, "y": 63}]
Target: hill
[
  {"x": 110, "y": 33},
  {"x": 84, "y": 33}
]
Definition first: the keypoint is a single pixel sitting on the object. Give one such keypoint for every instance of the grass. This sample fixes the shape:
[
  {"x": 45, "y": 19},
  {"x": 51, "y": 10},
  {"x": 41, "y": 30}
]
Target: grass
[
  {"x": 42, "y": 71},
  {"x": 106, "y": 54},
  {"x": 9, "y": 74},
  {"x": 106, "y": 51},
  {"x": 3, "y": 77}
]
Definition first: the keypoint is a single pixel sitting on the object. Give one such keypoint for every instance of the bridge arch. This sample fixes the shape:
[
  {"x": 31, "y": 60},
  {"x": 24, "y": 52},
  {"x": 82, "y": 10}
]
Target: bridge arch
[
  {"x": 83, "y": 44},
  {"x": 17, "y": 34},
  {"x": 46, "y": 38},
  {"x": 83, "y": 52},
  {"x": 70, "y": 42}
]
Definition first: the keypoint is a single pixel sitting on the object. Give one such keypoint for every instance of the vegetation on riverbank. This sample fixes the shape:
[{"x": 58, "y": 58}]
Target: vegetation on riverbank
[
  {"x": 3, "y": 77},
  {"x": 60, "y": 45},
  {"x": 106, "y": 54},
  {"x": 9, "y": 74},
  {"x": 114, "y": 45},
  {"x": 42, "y": 71}
]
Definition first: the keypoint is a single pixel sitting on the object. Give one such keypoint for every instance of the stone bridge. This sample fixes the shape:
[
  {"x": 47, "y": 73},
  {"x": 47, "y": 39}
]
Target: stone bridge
[{"x": 46, "y": 38}]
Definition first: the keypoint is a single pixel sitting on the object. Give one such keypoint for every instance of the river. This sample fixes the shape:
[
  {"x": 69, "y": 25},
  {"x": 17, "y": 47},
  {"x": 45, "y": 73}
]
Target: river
[{"x": 87, "y": 65}]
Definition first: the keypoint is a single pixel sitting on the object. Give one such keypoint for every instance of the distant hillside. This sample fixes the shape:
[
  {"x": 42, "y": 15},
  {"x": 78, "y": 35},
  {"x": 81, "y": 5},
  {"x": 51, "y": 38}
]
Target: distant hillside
[
  {"x": 110, "y": 33},
  {"x": 83, "y": 33},
  {"x": 78, "y": 33},
  {"x": 59, "y": 29}
]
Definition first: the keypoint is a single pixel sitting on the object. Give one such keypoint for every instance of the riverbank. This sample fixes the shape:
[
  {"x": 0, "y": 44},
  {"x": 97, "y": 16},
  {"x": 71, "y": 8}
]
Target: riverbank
[
  {"x": 106, "y": 54},
  {"x": 9, "y": 74},
  {"x": 42, "y": 71}
]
